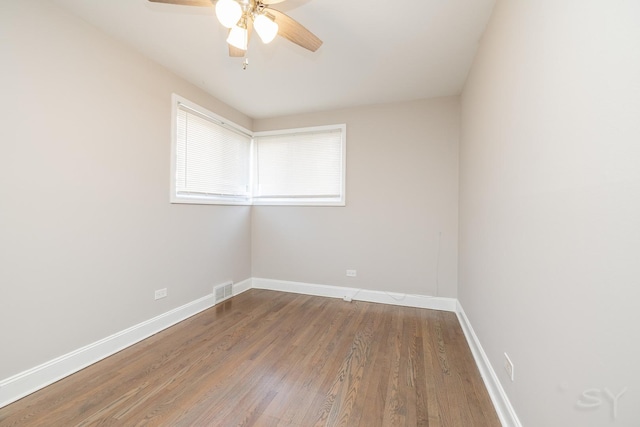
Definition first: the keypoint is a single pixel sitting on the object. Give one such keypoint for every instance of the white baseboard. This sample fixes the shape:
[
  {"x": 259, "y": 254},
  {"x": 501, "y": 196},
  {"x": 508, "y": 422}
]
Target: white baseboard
[
  {"x": 501, "y": 402},
  {"x": 31, "y": 380},
  {"x": 366, "y": 295},
  {"x": 241, "y": 287}
]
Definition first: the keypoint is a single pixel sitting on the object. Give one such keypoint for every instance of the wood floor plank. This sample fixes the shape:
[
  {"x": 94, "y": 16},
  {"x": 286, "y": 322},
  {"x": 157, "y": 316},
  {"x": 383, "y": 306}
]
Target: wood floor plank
[
  {"x": 378, "y": 374},
  {"x": 349, "y": 378},
  {"x": 267, "y": 358},
  {"x": 433, "y": 412}
]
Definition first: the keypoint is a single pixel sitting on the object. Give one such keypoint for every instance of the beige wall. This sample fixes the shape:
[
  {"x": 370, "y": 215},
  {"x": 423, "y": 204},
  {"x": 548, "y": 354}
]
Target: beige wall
[
  {"x": 402, "y": 178},
  {"x": 86, "y": 229},
  {"x": 550, "y": 207}
]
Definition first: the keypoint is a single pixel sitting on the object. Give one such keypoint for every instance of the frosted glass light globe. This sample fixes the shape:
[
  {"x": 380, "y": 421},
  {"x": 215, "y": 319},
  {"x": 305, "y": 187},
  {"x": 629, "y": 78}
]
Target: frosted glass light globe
[{"x": 228, "y": 12}]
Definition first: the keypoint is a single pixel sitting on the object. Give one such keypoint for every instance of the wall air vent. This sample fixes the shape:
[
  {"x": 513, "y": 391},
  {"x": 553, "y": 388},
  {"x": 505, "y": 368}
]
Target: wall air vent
[{"x": 223, "y": 292}]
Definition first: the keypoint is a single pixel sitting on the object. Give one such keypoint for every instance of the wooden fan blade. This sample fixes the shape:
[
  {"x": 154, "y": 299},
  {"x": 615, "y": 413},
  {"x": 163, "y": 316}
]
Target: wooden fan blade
[
  {"x": 205, "y": 3},
  {"x": 295, "y": 32},
  {"x": 234, "y": 52}
]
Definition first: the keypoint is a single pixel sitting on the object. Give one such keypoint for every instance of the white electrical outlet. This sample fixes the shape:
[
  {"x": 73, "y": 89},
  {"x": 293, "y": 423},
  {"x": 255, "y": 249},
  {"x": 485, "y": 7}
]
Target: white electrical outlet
[
  {"x": 508, "y": 366},
  {"x": 352, "y": 273},
  {"x": 161, "y": 293}
]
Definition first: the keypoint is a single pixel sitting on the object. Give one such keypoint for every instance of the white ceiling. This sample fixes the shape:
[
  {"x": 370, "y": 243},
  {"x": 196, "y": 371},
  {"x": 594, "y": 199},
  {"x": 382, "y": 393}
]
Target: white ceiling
[{"x": 373, "y": 52}]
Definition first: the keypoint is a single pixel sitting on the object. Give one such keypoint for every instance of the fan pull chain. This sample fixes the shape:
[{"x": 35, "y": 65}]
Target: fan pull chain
[{"x": 245, "y": 63}]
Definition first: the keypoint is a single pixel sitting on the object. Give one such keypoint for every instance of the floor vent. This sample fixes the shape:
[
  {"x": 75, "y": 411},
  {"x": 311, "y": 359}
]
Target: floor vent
[{"x": 223, "y": 292}]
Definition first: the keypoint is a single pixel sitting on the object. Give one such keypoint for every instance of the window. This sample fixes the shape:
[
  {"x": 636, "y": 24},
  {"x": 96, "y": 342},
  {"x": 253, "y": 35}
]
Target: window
[
  {"x": 215, "y": 161},
  {"x": 211, "y": 157},
  {"x": 300, "y": 166}
]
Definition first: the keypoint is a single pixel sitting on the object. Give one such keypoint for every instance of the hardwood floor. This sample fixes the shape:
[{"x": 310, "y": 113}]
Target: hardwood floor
[{"x": 268, "y": 358}]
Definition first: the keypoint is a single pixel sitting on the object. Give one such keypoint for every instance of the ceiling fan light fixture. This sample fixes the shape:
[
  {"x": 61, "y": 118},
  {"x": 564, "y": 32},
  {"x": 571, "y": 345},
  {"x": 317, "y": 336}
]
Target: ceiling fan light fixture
[
  {"x": 266, "y": 28},
  {"x": 228, "y": 12},
  {"x": 241, "y": 16},
  {"x": 238, "y": 37}
]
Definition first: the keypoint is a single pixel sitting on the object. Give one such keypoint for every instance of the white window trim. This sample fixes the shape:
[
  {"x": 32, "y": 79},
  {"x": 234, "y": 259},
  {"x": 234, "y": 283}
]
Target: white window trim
[
  {"x": 200, "y": 199},
  {"x": 230, "y": 200},
  {"x": 305, "y": 201}
]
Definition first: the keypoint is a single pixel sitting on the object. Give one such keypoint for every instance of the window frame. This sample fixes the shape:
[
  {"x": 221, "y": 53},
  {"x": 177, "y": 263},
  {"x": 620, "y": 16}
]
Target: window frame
[
  {"x": 303, "y": 201},
  {"x": 249, "y": 200},
  {"x": 211, "y": 199}
]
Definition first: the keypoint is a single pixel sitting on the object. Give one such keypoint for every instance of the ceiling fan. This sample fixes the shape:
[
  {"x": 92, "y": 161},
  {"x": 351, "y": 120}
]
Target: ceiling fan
[{"x": 241, "y": 16}]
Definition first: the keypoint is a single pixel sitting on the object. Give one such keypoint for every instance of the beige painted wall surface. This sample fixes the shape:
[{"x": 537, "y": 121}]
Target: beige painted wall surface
[
  {"x": 86, "y": 229},
  {"x": 402, "y": 169},
  {"x": 550, "y": 208}
]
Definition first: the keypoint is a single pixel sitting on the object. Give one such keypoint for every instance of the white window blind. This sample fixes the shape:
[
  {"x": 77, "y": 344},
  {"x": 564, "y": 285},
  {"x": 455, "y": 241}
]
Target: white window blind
[
  {"x": 212, "y": 159},
  {"x": 300, "y": 164}
]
